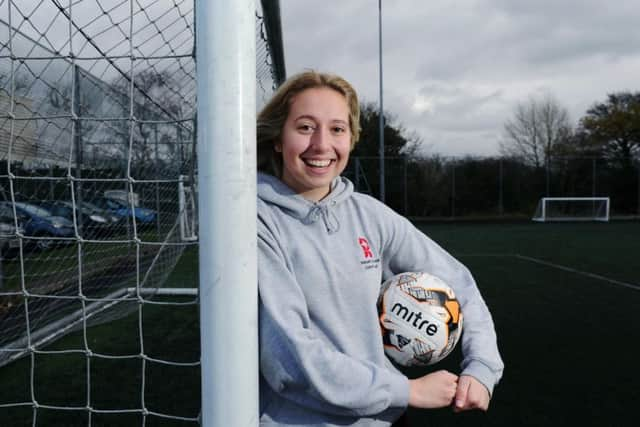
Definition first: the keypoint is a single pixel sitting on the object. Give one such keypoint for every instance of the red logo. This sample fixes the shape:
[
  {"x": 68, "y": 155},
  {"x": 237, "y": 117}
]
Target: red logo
[{"x": 366, "y": 249}]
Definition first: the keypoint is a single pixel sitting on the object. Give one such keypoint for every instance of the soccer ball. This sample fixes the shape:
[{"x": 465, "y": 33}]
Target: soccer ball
[{"x": 420, "y": 319}]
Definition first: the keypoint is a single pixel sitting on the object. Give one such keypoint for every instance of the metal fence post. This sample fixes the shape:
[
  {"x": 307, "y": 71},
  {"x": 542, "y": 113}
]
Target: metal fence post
[
  {"x": 500, "y": 189},
  {"x": 453, "y": 189},
  {"x": 638, "y": 168},
  {"x": 157, "y": 172},
  {"x": 548, "y": 177},
  {"x": 406, "y": 196},
  {"x": 593, "y": 177},
  {"x": 381, "y": 112},
  {"x": 357, "y": 175}
]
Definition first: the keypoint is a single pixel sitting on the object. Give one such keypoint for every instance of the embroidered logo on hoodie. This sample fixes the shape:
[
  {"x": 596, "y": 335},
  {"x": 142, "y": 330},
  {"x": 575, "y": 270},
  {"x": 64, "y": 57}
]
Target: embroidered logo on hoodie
[
  {"x": 367, "y": 253},
  {"x": 366, "y": 249}
]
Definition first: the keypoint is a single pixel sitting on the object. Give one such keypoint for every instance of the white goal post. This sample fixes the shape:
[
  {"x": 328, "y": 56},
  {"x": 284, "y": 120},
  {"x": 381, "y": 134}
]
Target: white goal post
[
  {"x": 226, "y": 110},
  {"x": 572, "y": 209},
  {"x": 188, "y": 213}
]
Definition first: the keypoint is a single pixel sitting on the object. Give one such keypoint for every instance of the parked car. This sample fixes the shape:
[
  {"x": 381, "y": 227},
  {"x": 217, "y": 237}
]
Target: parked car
[
  {"x": 115, "y": 222},
  {"x": 144, "y": 216},
  {"x": 40, "y": 222},
  {"x": 92, "y": 222},
  {"x": 122, "y": 196},
  {"x": 9, "y": 240}
]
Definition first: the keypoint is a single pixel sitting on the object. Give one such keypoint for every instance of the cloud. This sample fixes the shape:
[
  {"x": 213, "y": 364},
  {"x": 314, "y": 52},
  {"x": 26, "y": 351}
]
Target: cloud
[{"x": 453, "y": 71}]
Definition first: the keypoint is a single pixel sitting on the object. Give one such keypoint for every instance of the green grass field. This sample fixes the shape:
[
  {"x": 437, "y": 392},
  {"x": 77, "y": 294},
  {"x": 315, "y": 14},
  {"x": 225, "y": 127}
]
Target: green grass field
[
  {"x": 569, "y": 339},
  {"x": 563, "y": 297},
  {"x": 167, "y": 332}
]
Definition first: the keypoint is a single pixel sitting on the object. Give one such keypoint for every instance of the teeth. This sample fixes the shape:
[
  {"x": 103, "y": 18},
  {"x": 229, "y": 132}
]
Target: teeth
[{"x": 318, "y": 163}]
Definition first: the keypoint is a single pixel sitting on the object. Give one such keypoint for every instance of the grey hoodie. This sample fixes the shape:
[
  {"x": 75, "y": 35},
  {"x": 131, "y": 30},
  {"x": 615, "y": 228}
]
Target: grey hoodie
[{"x": 320, "y": 266}]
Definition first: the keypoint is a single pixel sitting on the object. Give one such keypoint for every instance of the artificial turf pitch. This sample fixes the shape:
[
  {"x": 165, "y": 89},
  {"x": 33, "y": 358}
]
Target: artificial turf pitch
[{"x": 564, "y": 298}]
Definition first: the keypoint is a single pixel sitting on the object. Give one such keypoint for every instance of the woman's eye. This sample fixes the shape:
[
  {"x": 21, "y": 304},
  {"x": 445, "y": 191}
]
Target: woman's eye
[
  {"x": 305, "y": 128},
  {"x": 339, "y": 129}
]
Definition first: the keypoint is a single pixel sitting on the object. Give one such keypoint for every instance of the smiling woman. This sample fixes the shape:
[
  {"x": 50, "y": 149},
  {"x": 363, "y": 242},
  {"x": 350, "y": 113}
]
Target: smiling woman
[
  {"x": 294, "y": 94},
  {"x": 323, "y": 252},
  {"x": 315, "y": 142}
]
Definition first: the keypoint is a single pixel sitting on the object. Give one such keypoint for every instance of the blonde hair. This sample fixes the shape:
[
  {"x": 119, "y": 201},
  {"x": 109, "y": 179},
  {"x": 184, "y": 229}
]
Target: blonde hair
[{"x": 273, "y": 116}]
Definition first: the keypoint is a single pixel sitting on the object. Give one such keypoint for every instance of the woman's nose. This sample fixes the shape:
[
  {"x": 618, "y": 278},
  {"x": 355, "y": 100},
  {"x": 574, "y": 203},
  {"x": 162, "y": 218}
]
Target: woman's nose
[{"x": 320, "y": 138}]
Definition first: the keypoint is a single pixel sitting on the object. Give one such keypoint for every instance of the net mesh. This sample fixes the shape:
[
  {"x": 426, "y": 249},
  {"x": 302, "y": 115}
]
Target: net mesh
[{"x": 97, "y": 152}]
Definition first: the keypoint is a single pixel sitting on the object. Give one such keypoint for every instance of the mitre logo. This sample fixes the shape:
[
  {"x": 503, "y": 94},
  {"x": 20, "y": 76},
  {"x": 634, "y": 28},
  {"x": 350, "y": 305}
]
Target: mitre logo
[{"x": 366, "y": 249}]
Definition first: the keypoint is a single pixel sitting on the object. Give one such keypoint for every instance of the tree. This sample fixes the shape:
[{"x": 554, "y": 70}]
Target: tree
[
  {"x": 20, "y": 82},
  {"x": 158, "y": 108},
  {"x": 399, "y": 145},
  {"x": 397, "y": 141},
  {"x": 537, "y": 128},
  {"x": 613, "y": 128}
]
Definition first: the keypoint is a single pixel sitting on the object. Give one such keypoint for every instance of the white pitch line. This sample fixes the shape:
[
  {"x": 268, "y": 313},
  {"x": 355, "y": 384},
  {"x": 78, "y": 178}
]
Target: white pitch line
[
  {"x": 479, "y": 255},
  {"x": 584, "y": 273}
]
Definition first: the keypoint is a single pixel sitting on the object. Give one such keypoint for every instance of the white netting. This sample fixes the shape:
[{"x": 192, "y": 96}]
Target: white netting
[{"x": 97, "y": 165}]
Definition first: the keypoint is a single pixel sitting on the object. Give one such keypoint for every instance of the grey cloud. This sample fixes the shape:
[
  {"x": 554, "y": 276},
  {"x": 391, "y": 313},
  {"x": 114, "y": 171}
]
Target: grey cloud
[{"x": 469, "y": 62}]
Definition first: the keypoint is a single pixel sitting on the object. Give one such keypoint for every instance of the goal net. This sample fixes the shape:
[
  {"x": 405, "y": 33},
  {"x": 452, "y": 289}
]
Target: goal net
[
  {"x": 98, "y": 200},
  {"x": 572, "y": 209}
]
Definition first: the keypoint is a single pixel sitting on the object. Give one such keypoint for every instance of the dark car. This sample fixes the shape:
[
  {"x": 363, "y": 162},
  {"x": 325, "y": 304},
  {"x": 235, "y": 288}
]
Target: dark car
[
  {"x": 92, "y": 222},
  {"x": 144, "y": 216},
  {"x": 9, "y": 240},
  {"x": 40, "y": 222},
  {"x": 115, "y": 222}
]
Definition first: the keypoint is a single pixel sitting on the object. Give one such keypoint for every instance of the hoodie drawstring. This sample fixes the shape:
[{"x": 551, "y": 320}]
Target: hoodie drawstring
[{"x": 328, "y": 217}]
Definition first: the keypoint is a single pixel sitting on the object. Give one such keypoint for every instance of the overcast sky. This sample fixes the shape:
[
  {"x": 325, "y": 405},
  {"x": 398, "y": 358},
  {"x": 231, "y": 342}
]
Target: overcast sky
[{"x": 455, "y": 69}]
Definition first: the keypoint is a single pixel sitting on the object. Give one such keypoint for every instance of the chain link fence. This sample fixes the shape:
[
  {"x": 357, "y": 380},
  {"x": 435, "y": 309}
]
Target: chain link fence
[{"x": 494, "y": 188}]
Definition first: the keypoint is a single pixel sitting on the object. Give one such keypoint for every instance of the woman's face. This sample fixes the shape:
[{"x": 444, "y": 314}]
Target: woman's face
[{"x": 315, "y": 142}]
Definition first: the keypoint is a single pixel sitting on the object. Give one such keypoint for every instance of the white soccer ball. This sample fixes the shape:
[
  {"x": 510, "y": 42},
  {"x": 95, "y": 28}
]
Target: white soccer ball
[{"x": 420, "y": 318}]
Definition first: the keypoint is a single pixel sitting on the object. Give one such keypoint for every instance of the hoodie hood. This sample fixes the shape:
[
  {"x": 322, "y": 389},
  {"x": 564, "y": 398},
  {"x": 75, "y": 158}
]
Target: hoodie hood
[{"x": 273, "y": 191}]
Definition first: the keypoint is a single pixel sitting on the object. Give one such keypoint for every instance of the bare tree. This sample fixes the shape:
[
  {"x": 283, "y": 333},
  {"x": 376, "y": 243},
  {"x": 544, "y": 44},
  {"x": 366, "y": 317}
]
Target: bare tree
[
  {"x": 156, "y": 98},
  {"x": 21, "y": 82},
  {"x": 537, "y": 127}
]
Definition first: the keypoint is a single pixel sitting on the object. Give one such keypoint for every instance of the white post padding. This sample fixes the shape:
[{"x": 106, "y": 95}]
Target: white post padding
[{"x": 226, "y": 75}]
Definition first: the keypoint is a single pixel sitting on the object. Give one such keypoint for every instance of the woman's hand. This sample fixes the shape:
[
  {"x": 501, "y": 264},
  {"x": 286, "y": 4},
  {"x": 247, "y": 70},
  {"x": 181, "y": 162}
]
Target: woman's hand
[
  {"x": 471, "y": 394},
  {"x": 434, "y": 390}
]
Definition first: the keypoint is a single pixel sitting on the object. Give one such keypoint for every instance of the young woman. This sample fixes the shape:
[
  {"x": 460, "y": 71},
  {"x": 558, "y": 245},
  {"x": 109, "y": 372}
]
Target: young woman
[{"x": 324, "y": 250}]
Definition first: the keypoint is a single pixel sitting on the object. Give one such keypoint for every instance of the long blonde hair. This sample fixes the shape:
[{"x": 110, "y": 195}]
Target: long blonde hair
[{"x": 273, "y": 116}]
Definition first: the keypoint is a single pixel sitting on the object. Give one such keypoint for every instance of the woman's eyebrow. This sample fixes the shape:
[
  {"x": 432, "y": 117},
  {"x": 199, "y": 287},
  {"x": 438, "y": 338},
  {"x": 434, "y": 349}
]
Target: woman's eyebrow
[
  {"x": 312, "y": 117},
  {"x": 305, "y": 116}
]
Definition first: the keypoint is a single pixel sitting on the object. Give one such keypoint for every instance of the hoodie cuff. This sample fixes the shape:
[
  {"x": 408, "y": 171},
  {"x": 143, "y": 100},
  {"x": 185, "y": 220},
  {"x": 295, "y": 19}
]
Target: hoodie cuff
[
  {"x": 482, "y": 373},
  {"x": 399, "y": 391}
]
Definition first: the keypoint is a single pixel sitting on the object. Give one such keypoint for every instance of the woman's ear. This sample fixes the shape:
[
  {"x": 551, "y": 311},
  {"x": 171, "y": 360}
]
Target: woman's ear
[{"x": 277, "y": 147}]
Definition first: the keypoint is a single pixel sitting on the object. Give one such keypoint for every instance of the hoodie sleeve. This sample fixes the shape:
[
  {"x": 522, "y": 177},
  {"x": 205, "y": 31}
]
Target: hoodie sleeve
[
  {"x": 408, "y": 249},
  {"x": 299, "y": 365}
]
